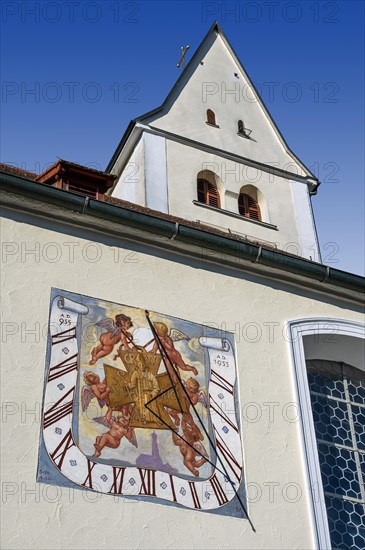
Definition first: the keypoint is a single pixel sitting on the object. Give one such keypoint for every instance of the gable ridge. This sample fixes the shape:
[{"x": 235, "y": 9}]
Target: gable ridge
[{"x": 216, "y": 30}]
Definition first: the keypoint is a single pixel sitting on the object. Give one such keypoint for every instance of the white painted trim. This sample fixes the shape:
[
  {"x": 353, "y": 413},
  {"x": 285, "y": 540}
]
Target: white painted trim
[
  {"x": 155, "y": 165},
  {"x": 221, "y": 152},
  {"x": 305, "y": 222},
  {"x": 297, "y": 330},
  {"x": 125, "y": 154}
]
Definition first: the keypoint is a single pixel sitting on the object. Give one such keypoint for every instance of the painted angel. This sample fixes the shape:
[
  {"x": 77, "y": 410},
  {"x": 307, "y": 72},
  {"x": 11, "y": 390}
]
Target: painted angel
[
  {"x": 118, "y": 428},
  {"x": 94, "y": 388},
  {"x": 194, "y": 395},
  {"x": 191, "y": 448},
  {"x": 195, "y": 392},
  {"x": 116, "y": 331},
  {"x": 173, "y": 356}
]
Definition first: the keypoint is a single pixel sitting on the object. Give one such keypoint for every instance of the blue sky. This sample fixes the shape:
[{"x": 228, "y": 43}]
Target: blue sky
[{"x": 75, "y": 73}]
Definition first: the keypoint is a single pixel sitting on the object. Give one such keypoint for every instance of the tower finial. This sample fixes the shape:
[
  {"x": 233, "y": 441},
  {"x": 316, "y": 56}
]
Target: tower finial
[{"x": 182, "y": 59}]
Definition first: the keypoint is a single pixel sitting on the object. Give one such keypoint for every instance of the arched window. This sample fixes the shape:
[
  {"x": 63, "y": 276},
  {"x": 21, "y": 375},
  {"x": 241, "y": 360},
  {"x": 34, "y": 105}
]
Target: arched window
[
  {"x": 249, "y": 207},
  {"x": 208, "y": 193},
  {"x": 211, "y": 117}
]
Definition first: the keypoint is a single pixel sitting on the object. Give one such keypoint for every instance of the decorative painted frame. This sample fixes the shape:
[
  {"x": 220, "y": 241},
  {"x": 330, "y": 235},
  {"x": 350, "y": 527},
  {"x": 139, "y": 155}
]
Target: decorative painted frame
[
  {"x": 297, "y": 330},
  {"x": 61, "y": 460}
]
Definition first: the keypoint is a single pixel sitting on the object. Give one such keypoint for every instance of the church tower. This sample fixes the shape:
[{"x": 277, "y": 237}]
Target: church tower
[{"x": 213, "y": 154}]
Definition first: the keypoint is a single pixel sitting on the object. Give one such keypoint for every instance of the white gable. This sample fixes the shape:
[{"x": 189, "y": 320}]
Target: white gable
[{"x": 216, "y": 80}]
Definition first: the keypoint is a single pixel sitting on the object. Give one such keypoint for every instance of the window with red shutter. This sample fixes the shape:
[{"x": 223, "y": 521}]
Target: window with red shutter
[
  {"x": 208, "y": 193},
  {"x": 248, "y": 207},
  {"x": 211, "y": 117}
]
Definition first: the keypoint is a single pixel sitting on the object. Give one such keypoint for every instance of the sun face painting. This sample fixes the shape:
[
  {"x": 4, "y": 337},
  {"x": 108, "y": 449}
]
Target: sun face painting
[{"x": 140, "y": 404}]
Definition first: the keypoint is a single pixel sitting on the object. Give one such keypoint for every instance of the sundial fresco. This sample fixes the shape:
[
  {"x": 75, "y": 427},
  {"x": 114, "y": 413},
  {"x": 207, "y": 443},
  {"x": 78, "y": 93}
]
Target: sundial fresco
[{"x": 140, "y": 404}]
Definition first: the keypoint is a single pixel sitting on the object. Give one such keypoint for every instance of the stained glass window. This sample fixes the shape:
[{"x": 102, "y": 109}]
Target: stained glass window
[{"x": 337, "y": 395}]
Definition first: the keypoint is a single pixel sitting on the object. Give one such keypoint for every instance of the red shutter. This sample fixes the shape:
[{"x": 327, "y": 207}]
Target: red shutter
[
  {"x": 210, "y": 116},
  {"x": 213, "y": 198},
  {"x": 248, "y": 207},
  {"x": 208, "y": 193},
  {"x": 201, "y": 190}
]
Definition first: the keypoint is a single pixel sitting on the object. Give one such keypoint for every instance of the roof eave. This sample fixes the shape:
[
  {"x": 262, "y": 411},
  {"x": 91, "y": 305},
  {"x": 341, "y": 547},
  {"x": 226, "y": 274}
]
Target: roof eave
[{"x": 315, "y": 276}]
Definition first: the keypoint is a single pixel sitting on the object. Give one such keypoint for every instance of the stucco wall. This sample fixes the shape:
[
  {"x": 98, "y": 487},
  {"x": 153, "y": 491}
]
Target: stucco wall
[{"x": 41, "y": 516}]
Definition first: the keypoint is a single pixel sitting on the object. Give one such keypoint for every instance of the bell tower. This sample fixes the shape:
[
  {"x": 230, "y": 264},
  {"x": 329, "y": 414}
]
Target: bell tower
[{"x": 213, "y": 154}]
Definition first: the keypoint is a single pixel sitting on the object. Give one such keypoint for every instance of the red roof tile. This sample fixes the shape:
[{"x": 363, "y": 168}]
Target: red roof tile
[{"x": 15, "y": 171}]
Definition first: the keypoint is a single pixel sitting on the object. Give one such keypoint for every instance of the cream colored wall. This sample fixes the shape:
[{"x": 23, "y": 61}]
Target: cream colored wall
[
  {"x": 55, "y": 518},
  {"x": 210, "y": 86},
  {"x": 183, "y": 165}
]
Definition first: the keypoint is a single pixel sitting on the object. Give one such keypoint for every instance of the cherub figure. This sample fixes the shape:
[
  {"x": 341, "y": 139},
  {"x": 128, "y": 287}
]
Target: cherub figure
[
  {"x": 190, "y": 448},
  {"x": 173, "y": 355},
  {"x": 195, "y": 395},
  {"x": 192, "y": 387},
  {"x": 117, "y": 331},
  {"x": 94, "y": 388},
  {"x": 119, "y": 428}
]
